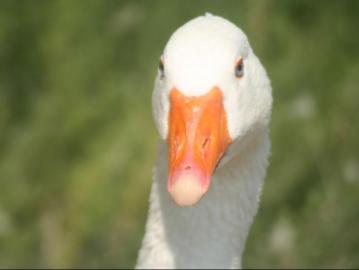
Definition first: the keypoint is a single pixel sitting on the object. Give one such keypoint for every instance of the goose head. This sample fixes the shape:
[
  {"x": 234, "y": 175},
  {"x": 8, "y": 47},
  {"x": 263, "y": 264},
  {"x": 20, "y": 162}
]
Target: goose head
[{"x": 210, "y": 92}]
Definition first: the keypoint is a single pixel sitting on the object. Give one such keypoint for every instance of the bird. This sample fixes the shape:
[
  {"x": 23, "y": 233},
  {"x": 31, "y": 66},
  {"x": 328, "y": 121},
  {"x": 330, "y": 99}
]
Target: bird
[{"x": 211, "y": 104}]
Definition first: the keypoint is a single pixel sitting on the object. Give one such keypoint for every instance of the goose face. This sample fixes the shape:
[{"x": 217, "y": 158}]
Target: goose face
[{"x": 210, "y": 91}]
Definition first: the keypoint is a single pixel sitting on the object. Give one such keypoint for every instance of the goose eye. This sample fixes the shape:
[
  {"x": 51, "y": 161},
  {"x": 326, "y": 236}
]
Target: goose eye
[
  {"x": 161, "y": 68},
  {"x": 239, "y": 70}
]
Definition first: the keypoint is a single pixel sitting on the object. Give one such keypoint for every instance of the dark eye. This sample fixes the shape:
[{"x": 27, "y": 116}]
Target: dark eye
[
  {"x": 239, "y": 70},
  {"x": 161, "y": 68}
]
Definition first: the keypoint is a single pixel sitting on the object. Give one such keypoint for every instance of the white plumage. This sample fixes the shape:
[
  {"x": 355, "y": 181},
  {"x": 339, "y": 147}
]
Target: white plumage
[{"x": 200, "y": 55}]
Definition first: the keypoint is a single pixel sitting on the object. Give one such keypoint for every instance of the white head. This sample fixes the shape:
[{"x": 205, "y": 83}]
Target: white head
[{"x": 210, "y": 91}]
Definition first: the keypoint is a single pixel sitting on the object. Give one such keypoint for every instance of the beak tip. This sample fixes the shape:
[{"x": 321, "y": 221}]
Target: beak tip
[{"x": 187, "y": 190}]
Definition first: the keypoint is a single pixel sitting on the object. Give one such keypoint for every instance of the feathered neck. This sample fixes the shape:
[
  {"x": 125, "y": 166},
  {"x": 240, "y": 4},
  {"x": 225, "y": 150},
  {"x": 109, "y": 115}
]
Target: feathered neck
[{"x": 211, "y": 234}]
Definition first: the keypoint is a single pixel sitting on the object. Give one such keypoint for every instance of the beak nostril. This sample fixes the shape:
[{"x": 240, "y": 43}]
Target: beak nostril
[
  {"x": 205, "y": 144},
  {"x": 177, "y": 145}
]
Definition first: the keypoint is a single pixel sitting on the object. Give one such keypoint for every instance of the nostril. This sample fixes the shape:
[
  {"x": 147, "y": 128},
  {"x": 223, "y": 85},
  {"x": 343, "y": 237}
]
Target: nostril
[
  {"x": 177, "y": 146},
  {"x": 188, "y": 167},
  {"x": 205, "y": 144}
]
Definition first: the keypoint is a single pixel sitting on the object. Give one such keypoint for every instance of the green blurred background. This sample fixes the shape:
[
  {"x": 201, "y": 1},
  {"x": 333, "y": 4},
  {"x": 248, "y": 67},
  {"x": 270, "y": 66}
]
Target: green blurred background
[{"x": 77, "y": 140}]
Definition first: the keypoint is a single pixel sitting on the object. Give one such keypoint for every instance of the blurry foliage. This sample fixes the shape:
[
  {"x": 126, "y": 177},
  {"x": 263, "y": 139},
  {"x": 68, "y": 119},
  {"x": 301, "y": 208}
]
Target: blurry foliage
[{"x": 78, "y": 142}]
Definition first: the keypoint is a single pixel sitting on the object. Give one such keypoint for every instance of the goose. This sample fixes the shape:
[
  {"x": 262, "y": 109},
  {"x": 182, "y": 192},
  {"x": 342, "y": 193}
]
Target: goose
[{"x": 212, "y": 105}]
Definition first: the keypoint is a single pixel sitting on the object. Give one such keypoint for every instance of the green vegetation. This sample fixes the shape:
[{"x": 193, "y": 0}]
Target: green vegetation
[{"x": 77, "y": 140}]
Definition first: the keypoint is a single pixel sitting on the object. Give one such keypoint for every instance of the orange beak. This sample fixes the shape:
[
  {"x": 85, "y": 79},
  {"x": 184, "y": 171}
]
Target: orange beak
[{"x": 198, "y": 137}]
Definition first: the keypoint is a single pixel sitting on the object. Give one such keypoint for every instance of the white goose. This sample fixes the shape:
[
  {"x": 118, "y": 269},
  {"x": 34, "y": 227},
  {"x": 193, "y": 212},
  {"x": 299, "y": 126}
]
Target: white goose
[{"x": 212, "y": 104}]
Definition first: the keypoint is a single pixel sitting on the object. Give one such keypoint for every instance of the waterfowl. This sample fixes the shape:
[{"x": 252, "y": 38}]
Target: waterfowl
[{"x": 212, "y": 105}]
